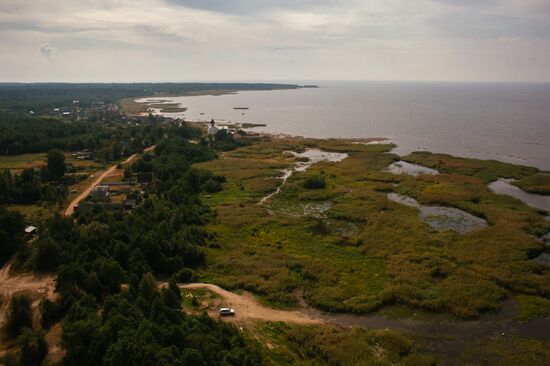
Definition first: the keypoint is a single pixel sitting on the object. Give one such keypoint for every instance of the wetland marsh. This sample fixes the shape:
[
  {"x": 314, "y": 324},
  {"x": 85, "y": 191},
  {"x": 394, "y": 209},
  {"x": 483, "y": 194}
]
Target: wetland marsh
[
  {"x": 366, "y": 252},
  {"x": 358, "y": 257}
]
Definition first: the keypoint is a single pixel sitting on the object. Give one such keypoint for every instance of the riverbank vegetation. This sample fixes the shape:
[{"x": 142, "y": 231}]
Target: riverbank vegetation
[
  {"x": 538, "y": 184},
  {"x": 326, "y": 345}
]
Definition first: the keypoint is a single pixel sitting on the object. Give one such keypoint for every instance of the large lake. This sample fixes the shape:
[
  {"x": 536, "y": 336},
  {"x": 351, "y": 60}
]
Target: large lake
[{"x": 507, "y": 122}]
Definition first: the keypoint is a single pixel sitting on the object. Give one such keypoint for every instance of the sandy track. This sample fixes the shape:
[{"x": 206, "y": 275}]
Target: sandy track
[
  {"x": 70, "y": 209},
  {"x": 41, "y": 284},
  {"x": 36, "y": 286},
  {"x": 248, "y": 308}
]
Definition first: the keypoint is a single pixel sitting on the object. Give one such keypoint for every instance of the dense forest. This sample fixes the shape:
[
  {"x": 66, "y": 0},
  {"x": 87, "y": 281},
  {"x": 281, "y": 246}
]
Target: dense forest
[
  {"x": 23, "y": 134},
  {"x": 106, "y": 322},
  {"x": 24, "y": 97}
]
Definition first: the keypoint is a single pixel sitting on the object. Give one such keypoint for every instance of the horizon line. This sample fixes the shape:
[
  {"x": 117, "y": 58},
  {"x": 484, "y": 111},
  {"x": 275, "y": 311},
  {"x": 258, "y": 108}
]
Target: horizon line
[{"x": 284, "y": 81}]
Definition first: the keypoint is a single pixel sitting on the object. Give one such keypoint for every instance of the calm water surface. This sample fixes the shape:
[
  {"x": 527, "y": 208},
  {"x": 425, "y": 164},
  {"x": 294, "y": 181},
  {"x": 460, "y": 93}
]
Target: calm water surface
[
  {"x": 504, "y": 186},
  {"x": 507, "y": 122}
]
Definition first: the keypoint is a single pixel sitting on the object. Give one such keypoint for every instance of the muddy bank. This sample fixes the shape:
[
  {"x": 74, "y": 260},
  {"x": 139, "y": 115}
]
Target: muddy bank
[
  {"x": 501, "y": 324},
  {"x": 538, "y": 328}
]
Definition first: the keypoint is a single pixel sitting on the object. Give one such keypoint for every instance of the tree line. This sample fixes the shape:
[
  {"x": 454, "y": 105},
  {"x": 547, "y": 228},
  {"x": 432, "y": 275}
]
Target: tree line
[
  {"x": 20, "y": 134},
  {"x": 33, "y": 185},
  {"x": 18, "y": 96}
]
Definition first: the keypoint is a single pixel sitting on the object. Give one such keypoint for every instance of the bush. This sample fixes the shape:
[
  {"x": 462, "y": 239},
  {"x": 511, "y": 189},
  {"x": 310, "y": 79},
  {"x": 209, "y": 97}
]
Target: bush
[
  {"x": 315, "y": 182},
  {"x": 56, "y": 164},
  {"x": 50, "y": 312},
  {"x": 33, "y": 348},
  {"x": 11, "y": 227},
  {"x": 128, "y": 173},
  {"x": 185, "y": 275},
  {"x": 46, "y": 255},
  {"x": 19, "y": 315},
  {"x": 212, "y": 186}
]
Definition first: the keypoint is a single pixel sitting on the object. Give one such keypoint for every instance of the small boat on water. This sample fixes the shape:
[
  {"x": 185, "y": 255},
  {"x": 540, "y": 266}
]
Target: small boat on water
[{"x": 245, "y": 108}]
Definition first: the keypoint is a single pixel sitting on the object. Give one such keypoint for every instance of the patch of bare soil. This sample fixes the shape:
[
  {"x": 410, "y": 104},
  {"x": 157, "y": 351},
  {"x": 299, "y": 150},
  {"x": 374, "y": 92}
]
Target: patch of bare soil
[
  {"x": 248, "y": 309},
  {"x": 37, "y": 287},
  {"x": 53, "y": 338}
]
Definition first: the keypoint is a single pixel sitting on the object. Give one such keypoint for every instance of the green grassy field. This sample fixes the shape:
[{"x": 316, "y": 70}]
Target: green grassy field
[{"x": 24, "y": 161}]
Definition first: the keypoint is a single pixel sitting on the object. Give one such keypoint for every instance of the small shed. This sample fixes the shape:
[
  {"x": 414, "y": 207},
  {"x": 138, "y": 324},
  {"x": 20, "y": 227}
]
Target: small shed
[{"x": 30, "y": 231}]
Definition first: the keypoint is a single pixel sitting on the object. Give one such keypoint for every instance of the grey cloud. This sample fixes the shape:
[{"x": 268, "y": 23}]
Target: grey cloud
[
  {"x": 37, "y": 26},
  {"x": 47, "y": 50},
  {"x": 470, "y": 3},
  {"x": 533, "y": 7},
  {"x": 246, "y": 7},
  {"x": 160, "y": 33},
  {"x": 489, "y": 24},
  {"x": 178, "y": 39},
  {"x": 491, "y": 19}
]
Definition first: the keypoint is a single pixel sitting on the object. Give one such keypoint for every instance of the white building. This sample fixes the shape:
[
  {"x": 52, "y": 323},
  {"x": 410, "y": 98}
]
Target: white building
[{"x": 212, "y": 129}]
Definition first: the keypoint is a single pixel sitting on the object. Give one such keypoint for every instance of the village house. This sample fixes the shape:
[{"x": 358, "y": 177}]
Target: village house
[{"x": 100, "y": 193}]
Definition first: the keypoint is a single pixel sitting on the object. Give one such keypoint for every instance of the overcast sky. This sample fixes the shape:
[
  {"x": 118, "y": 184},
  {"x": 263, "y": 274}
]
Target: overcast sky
[{"x": 264, "y": 40}]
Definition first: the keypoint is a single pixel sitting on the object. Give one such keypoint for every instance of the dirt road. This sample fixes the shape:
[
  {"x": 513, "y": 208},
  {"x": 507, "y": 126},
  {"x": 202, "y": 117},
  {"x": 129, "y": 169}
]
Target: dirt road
[
  {"x": 70, "y": 209},
  {"x": 248, "y": 308}
]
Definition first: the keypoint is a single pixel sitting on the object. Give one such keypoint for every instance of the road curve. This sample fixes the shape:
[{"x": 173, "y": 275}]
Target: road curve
[{"x": 70, "y": 209}]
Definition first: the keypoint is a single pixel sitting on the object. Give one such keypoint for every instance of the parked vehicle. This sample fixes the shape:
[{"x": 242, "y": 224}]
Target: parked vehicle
[{"x": 227, "y": 312}]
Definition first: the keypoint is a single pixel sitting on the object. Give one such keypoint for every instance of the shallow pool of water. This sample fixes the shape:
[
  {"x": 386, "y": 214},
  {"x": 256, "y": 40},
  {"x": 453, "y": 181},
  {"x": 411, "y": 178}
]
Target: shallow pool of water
[
  {"x": 374, "y": 142},
  {"x": 313, "y": 156},
  {"x": 316, "y": 156},
  {"x": 403, "y": 167},
  {"x": 504, "y": 186},
  {"x": 442, "y": 218}
]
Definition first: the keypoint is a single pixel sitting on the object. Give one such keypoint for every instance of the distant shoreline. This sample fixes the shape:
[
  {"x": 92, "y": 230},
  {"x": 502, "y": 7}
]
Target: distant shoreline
[{"x": 131, "y": 105}]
